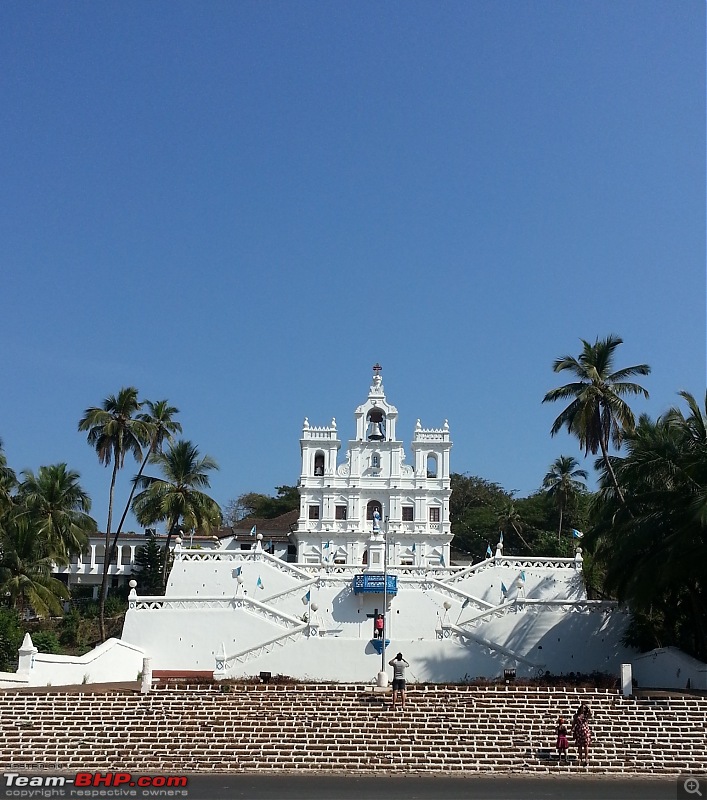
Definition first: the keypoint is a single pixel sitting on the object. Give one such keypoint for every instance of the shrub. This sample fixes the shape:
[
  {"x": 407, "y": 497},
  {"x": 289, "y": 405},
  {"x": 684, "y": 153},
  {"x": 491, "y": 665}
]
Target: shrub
[
  {"x": 46, "y": 642},
  {"x": 11, "y": 636}
]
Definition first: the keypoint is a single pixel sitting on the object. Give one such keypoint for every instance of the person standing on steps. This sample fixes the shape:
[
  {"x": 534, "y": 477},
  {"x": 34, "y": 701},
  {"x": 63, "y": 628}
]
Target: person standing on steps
[
  {"x": 582, "y": 732},
  {"x": 398, "y": 664},
  {"x": 562, "y": 743}
]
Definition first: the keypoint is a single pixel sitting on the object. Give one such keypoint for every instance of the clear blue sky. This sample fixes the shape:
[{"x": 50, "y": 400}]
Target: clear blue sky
[{"x": 242, "y": 206}]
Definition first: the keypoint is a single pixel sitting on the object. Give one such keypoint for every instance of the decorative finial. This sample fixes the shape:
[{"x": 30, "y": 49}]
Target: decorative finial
[{"x": 377, "y": 368}]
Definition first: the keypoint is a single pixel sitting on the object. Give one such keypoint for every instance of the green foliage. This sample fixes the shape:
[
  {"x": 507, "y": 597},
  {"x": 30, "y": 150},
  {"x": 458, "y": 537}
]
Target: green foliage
[
  {"x": 147, "y": 569},
  {"x": 115, "y": 606},
  {"x": 115, "y": 430},
  {"x": 11, "y": 636},
  {"x": 58, "y": 506},
  {"x": 46, "y": 642},
  {"x": 652, "y": 545},
  {"x": 26, "y": 566},
  {"x": 597, "y": 414},
  {"x": 70, "y": 633},
  {"x": 473, "y": 510},
  {"x": 177, "y": 497},
  {"x": 480, "y": 509},
  {"x": 262, "y": 506}
]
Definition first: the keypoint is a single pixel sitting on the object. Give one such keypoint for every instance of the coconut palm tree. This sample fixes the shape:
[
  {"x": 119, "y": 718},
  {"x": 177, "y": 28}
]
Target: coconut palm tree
[
  {"x": 655, "y": 556},
  {"x": 58, "y": 507},
  {"x": 8, "y": 482},
  {"x": 177, "y": 497},
  {"x": 510, "y": 522},
  {"x": 598, "y": 415},
  {"x": 26, "y": 569},
  {"x": 161, "y": 427},
  {"x": 115, "y": 431},
  {"x": 564, "y": 482}
]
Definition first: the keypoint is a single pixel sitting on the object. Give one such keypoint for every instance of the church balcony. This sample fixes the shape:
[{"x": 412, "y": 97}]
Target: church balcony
[{"x": 375, "y": 584}]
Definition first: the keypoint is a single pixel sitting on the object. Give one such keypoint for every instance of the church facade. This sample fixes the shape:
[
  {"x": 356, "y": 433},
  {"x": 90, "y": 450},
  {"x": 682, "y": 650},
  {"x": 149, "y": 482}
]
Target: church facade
[{"x": 372, "y": 491}]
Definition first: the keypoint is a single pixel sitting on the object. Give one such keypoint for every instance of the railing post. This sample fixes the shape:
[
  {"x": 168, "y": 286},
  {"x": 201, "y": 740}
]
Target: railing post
[{"x": 146, "y": 683}]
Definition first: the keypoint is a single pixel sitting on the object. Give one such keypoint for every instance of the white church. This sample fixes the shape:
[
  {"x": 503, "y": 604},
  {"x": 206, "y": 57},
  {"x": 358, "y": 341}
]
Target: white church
[
  {"x": 374, "y": 491},
  {"x": 371, "y": 540}
]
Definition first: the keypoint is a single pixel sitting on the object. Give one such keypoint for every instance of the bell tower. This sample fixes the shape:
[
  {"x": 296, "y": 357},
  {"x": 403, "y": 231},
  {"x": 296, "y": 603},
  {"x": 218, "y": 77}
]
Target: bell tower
[{"x": 376, "y": 418}]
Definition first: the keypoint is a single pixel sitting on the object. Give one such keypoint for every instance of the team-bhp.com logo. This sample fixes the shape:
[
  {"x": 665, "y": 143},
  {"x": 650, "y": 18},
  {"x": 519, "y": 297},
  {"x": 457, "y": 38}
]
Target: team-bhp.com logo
[{"x": 94, "y": 784}]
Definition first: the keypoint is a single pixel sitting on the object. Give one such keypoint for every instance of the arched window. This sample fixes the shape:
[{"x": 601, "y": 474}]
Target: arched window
[
  {"x": 431, "y": 466},
  {"x": 319, "y": 464}
]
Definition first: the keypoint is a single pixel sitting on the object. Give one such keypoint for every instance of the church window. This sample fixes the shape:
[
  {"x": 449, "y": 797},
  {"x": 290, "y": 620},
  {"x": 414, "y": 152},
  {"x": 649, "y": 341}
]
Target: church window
[
  {"x": 375, "y": 461},
  {"x": 431, "y": 466},
  {"x": 434, "y": 514},
  {"x": 319, "y": 464},
  {"x": 408, "y": 513},
  {"x": 314, "y": 512},
  {"x": 341, "y": 512}
]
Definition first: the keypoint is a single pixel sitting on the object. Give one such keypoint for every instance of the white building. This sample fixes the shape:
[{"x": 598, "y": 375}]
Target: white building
[
  {"x": 372, "y": 537},
  {"x": 339, "y": 500},
  {"x": 86, "y": 569}
]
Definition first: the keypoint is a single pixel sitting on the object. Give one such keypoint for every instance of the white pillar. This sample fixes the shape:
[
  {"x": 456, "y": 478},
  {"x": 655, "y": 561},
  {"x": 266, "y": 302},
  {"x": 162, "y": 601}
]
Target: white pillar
[
  {"x": 626, "y": 680},
  {"x": 27, "y": 652},
  {"x": 146, "y": 684}
]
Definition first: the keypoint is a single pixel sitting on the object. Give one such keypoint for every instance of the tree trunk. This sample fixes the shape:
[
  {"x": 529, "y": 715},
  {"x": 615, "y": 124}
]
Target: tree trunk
[
  {"x": 610, "y": 469},
  {"x": 559, "y": 531},
  {"x": 107, "y": 555},
  {"x": 119, "y": 529},
  {"x": 165, "y": 558}
]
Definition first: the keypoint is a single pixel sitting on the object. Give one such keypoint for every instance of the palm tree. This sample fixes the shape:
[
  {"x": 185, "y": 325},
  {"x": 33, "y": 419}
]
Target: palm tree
[
  {"x": 655, "y": 556},
  {"x": 177, "y": 497},
  {"x": 161, "y": 427},
  {"x": 26, "y": 569},
  {"x": 564, "y": 482},
  {"x": 8, "y": 482},
  {"x": 115, "y": 431},
  {"x": 57, "y": 505},
  {"x": 597, "y": 414},
  {"x": 509, "y": 522}
]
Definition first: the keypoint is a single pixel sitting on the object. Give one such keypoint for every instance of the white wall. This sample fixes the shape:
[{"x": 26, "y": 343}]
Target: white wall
[
  {"x": 545, "y": 622},
  {"x": 112, "y": 661},
  {"x": 669, "y": 668},
  {"x": 306, "y": 622}
]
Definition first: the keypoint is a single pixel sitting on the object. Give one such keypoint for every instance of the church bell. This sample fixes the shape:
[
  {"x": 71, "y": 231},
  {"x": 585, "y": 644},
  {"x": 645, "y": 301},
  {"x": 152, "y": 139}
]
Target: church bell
[{"x": 376, "y": 433}]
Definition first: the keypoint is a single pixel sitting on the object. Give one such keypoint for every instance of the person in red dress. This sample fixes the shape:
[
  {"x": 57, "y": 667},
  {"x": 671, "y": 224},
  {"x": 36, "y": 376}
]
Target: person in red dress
[{"x": 582, "y": 732}]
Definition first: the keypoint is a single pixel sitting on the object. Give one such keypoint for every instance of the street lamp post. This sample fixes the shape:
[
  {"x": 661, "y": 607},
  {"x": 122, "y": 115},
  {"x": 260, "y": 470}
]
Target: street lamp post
[{"x": 383, "y": 675}]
